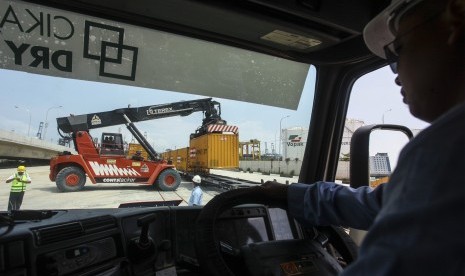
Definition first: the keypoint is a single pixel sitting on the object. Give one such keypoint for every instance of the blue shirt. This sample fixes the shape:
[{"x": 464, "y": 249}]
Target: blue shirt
[
  {"x": 416, "y": 222},
  {"x": 196, "y": 197}
]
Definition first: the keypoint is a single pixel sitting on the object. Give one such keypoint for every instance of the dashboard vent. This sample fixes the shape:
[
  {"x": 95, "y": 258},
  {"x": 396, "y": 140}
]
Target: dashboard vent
[
  {"x": 56, "y": 233},
  {"x": 98, "y": 224}
]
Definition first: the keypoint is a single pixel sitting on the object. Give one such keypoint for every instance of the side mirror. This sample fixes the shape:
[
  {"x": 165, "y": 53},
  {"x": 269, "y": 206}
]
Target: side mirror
[
  {"x": 360, "y": 152},
  {"x": 361, "y": 173}
]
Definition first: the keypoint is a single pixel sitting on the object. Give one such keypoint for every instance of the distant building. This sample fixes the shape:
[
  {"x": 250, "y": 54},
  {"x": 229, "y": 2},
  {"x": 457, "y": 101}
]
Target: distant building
[
  {"x": 380, "y": 165},
  {"x": 294, "y": 142},
  {"x": 350, "y": 127}
]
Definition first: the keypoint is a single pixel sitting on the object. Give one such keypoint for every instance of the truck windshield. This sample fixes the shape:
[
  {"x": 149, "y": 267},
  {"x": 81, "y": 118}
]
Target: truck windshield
[{"x": 88, "y": 66}]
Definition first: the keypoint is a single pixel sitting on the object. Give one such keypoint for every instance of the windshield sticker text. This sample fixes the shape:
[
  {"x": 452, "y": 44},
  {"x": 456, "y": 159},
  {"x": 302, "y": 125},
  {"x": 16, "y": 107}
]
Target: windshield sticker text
[{"x": 47, "y": 40}]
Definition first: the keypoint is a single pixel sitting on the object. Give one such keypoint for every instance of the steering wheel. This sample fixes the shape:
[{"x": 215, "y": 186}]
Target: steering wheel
[{"x": 211, "y": 259}]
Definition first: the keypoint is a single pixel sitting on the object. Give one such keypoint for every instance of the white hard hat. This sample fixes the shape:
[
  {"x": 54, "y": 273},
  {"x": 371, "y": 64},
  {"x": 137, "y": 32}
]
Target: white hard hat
[
  {"x": 382, "y": 30},
  {"x": 196, "y": 179}
]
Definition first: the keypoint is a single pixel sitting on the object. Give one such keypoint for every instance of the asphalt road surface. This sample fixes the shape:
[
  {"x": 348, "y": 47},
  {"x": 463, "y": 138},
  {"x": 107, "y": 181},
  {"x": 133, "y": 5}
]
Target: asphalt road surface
[{"x": 42, "y": 194}]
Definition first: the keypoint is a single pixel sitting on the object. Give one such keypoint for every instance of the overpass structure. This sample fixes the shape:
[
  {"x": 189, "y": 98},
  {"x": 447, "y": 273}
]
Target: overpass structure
[{"x": 16, "y": 146}]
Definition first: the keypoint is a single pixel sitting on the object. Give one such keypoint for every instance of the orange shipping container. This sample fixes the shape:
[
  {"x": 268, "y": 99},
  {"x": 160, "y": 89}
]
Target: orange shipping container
[{"x": 214, "y": 151}]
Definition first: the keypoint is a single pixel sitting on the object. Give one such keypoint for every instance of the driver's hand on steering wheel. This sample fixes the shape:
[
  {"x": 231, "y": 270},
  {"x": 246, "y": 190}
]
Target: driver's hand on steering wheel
[{"x": 276, "y": 192}]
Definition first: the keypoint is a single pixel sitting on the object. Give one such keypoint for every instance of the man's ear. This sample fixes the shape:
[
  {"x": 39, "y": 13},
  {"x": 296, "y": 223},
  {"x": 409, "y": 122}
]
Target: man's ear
[{"x": 455, "y": 12}]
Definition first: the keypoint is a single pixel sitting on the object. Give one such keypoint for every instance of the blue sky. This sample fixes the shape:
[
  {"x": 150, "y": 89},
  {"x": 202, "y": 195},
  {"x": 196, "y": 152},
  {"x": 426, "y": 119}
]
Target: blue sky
[
  {"x": 373, "y": 95},
  {"x": 38, "y": 94}
]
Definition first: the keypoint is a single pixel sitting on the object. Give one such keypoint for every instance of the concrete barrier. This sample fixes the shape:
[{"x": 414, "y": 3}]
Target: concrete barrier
[{"x": 288, "y": 168}]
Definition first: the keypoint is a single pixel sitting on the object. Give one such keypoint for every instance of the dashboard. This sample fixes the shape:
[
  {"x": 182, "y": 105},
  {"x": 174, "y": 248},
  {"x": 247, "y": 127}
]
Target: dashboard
[{"x": 128, "y": 241}]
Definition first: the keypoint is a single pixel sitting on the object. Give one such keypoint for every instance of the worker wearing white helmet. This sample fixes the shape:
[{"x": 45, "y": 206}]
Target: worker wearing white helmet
[
  {"x": 197, "y": 193},
  {"x": 20, "y": 178}
]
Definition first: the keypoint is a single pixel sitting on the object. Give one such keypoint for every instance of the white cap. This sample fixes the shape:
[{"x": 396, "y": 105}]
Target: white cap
[
  {"x": 382, "y": 30},
  {"x": 196, "y": 179}
]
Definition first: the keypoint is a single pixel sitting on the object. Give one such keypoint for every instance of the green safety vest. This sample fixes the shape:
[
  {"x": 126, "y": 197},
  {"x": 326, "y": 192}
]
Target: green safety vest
[{"x": 19, "y": 185}]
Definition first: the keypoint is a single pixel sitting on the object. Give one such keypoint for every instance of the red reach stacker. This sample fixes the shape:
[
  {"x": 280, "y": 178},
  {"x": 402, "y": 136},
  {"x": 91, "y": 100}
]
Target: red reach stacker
[{"x": 107, "y": 162}]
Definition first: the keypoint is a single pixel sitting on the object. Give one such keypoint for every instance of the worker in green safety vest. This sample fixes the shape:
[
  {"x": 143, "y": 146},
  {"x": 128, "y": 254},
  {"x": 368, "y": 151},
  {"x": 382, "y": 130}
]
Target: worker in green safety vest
[{"x": 19, "y": 179}]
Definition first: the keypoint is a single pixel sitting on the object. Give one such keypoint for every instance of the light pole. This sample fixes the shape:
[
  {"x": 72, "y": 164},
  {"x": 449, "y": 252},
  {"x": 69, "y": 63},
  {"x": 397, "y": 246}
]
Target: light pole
[
  {"x": 29, "y": 112},
  {"x": 46, "y": 119},
  {"x": 280, "y": 133},
  {"x": 385, "y": 113}
]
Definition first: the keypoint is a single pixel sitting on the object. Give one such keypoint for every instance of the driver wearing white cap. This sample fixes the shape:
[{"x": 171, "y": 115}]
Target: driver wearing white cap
[{"x": 416, "y": 222}]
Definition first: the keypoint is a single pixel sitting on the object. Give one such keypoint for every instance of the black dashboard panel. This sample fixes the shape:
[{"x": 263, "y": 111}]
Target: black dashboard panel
[{"x": 126, "y": 241}]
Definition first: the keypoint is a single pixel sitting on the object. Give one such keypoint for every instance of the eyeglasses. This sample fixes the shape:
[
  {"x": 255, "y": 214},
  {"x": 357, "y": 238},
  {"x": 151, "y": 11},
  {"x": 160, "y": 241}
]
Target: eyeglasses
[
  {"x": 392, "y": 49},
  {"x": 392, "y": 56}
]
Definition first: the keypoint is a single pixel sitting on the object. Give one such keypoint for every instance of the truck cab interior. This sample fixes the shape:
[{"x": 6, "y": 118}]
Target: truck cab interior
[{"x": 271, "y": 46}]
